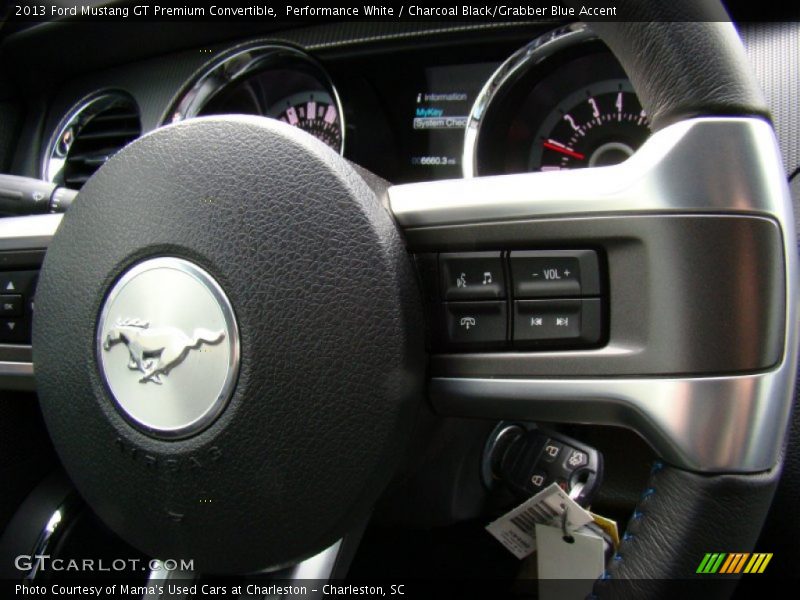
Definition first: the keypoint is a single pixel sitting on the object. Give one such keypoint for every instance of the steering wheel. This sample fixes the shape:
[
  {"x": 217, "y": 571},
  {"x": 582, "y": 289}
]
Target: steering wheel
[{"x": 229, "y": 341}]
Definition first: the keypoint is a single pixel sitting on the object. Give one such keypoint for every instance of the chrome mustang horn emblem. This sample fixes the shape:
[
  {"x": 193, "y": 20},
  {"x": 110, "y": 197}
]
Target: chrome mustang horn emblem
[
  {"x": 167, "y": 321},
  {"x": 156, "y": 351}
]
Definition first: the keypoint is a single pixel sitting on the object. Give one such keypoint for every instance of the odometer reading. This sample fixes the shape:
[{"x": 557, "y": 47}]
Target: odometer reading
[{"x": 599, "y": 125}]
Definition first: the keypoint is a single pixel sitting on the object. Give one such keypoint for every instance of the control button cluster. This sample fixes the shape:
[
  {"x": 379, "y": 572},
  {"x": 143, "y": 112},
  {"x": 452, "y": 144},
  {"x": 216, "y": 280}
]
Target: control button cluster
[
  {"x": 519, "y": 299},
  {"x": 16, "y": 306}
]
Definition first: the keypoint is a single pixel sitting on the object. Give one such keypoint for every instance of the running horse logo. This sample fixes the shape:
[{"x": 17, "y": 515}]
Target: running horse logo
[{"x": 156, "y": 351}]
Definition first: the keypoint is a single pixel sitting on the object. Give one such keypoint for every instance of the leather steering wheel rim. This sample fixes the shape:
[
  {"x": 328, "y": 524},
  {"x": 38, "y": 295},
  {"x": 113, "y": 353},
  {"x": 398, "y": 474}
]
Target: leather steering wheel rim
[{"x": 685, "y": 62}]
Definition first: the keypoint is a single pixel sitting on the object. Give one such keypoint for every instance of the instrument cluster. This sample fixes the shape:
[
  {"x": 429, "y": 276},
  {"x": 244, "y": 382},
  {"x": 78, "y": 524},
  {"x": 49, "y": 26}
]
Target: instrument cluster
[
  {"x": 560, "y": 102},
  {"x": 416, "y": 112}
]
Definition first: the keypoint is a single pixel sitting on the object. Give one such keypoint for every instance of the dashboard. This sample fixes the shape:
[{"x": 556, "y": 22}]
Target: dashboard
[{"x": 407, "y": 102}]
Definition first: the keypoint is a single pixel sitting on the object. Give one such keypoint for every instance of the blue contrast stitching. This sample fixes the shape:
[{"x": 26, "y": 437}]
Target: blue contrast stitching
[{"x": 637, "y": 516}]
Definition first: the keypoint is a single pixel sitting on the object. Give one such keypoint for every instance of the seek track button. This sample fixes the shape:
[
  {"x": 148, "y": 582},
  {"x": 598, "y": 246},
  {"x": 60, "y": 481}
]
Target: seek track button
[{"x": 563, "y": 321}]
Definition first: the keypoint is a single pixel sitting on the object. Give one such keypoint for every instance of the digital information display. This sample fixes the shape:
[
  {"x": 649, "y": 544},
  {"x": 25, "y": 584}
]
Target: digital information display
[{"x": 440, "y": 116}]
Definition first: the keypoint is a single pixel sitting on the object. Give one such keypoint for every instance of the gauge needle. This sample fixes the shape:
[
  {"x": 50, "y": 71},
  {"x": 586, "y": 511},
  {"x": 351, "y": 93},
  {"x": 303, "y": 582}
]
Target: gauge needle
[{"x": 551, "y": 145}]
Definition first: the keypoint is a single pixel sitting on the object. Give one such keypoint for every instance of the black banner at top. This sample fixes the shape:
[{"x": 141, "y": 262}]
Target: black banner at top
[{"x": 401, "y": 10}]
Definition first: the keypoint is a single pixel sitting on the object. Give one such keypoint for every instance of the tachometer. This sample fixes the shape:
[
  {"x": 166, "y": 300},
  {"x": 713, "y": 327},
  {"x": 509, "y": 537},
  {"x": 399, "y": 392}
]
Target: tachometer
[
  {"x": 313, "y": 112},
  {"x": 599, "y": 125},
  {"x": 267, "y": 80}
]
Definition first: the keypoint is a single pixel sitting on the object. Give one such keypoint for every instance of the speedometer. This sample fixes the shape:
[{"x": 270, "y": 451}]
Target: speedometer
[
  {"x": 599, "y": 125},
  {"x": 561, "y": 102}
]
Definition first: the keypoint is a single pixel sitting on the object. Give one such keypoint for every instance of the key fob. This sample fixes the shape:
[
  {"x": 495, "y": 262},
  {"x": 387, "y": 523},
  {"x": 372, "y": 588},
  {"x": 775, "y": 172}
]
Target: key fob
[{"x": 539, "y": 457}]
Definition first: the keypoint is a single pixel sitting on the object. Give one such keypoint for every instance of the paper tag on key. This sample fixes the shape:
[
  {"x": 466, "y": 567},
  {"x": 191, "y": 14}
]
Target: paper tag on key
[
  {"x": 568, "y": 568},
  {"x": 609, "y": 526},
  {"x": 516, "y": 529}
]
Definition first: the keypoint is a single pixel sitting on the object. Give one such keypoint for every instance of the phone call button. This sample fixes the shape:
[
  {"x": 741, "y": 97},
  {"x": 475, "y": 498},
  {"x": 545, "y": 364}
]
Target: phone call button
[{"x": 472, "y": 324}]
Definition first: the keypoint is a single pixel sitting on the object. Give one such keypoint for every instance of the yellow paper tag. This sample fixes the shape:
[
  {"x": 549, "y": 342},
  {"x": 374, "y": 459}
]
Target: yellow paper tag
[{"x": 609, "y": 526}]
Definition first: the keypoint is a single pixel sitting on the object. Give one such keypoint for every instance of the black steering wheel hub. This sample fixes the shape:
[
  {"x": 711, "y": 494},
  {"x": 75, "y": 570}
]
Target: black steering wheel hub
[{"x": 228, "y": 344}]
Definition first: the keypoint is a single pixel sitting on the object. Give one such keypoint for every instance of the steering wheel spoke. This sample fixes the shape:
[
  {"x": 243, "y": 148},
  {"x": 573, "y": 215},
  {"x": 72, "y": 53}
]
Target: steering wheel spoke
[
  {"x": 697, "y": 233},
  {"x": 23, "y": 241}
]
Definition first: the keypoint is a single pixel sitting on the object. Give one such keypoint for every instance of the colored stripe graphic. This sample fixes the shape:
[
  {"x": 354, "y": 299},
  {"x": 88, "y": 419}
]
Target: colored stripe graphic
[
  {"x": 740, "y": 564},
  {"x": 729, "y": 563},
  {"x": 733, "y": 563},
  {"x": 768, "y": 557},
  {"x": 717, "y": 564},
  {"x": 711, "y": 562},
  {"x": 703, "y": 563},
  {"x": 758, "y": 563}
]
